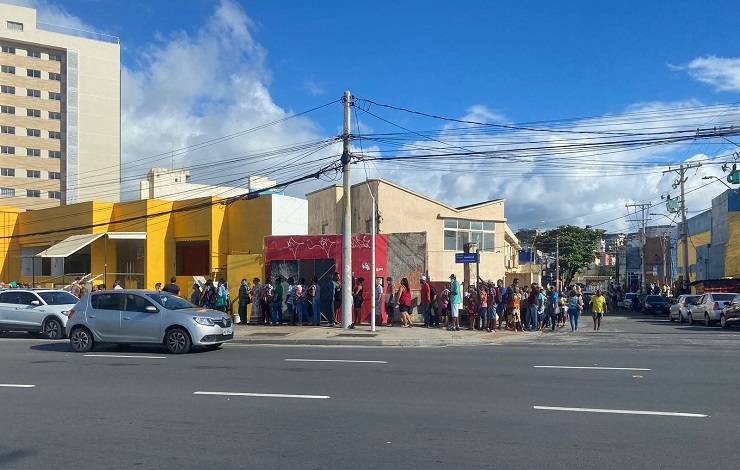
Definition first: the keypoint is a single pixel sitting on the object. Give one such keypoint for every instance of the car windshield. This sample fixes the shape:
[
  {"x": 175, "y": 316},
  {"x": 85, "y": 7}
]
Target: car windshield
[
  {"x": 58, "y": 298},
  {"x": 694, "y": 300},
  {"x": 723, "y": 297},
  {"x": 656, "y": 299},
  {"x": 170, "y": 301}
]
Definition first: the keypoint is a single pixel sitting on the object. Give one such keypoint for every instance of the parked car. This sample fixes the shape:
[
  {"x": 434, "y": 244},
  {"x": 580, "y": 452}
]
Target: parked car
[
  {"x": 36, "y": 310},
  {"x": 709, "y": 307},
  {"x": 132, "y": 316},
  {"x": 656, "y": 304},
  {"x": 731, "y": 313},
  {"x": 680, "y": 310},
  {"x": 632, "y": 301}
]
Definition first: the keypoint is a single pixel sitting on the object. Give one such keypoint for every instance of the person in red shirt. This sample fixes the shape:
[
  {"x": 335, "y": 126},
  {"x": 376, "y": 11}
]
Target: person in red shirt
[
  {"x": 425, "y": 302},
  {"x": 404, "y": 302}
]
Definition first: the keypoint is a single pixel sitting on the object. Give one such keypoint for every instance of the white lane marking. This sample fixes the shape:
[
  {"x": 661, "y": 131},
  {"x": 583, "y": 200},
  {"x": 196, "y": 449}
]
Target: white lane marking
[
  {"x": 621, "y": 412},
  {"x": 125, "y": 356},
  {"x": 264, "y": 395},
  {"x": 17, "y": 385},
  {"x": 337, "y": 360},
  {"x": 590, "y": 368}
]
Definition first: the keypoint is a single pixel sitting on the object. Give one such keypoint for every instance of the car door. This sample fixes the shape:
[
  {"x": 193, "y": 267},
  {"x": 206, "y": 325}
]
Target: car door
[
  {"x": 30, "y": 310},
  {"x": 141, "y": 320},
  {"x": 7, "y": 310},
  {"x": 104, "y": 316},
  {"x": 697, "y": 311}
]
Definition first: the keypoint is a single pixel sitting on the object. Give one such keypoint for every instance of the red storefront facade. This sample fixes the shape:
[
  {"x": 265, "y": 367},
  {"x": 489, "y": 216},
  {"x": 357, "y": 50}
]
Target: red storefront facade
[{"x": 300, "y": 256}]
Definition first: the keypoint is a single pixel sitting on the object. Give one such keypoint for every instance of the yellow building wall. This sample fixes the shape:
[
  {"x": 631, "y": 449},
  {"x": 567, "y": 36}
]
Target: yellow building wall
[
  {"x": 732, "y": 253},
  {"x": 697, "y": 240},
  {"x": 242, "y": 267},
  {"x": 9, "y": 250}
]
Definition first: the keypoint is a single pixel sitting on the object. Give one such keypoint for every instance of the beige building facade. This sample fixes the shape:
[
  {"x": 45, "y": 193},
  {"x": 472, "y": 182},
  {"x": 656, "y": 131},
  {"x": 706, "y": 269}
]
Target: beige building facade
[
  {"x": 448, "y": 229},
  {"x": 60, "y": 110}
]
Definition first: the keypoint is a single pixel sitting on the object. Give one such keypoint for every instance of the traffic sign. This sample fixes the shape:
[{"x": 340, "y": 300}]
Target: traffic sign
[{"x": 466, "y": 258}]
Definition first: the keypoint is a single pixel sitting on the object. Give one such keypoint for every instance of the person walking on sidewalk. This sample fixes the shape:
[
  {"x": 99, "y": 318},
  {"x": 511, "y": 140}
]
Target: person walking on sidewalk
[
  {"x": 404, "y": 303},
  {"x": 425, "y": 302},
  {"x": 575, "y": 307},
  {"x": 598, "y": 309},
  {"x": 358, "y": 297},
  {"x": 456, "y": 297},
  {"x": 244, "y": 301},
  {"x": 390, "y": 300}
]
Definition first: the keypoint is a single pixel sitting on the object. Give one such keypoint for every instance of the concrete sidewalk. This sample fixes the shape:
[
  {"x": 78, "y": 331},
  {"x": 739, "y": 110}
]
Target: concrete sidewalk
[{"x": 363, "y": 336}]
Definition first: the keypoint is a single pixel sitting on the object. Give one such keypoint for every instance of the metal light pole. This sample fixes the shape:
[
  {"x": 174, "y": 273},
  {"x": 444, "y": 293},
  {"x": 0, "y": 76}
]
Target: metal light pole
[{"x": 347, "y": 225}]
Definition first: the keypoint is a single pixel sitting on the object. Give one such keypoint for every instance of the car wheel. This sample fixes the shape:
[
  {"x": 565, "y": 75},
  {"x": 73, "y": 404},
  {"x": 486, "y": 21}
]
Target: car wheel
[
  {"x": 177, "y": 341},
  {"x": 53, "y": 329},
  {"x": 707, "y": 322},
  {"x": 722, "y": 321},
  {"x": 670, "y": 317},
  {"x": 691, "y": 319},
  {"x": 81, "y": 340}
]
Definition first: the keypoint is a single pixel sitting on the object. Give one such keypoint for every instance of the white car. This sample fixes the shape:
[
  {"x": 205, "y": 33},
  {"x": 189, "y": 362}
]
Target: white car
[
  {"x": 680, "y": 310},
  {"x": 36, "y": 310},
  {"x": 709, "y": 307}
]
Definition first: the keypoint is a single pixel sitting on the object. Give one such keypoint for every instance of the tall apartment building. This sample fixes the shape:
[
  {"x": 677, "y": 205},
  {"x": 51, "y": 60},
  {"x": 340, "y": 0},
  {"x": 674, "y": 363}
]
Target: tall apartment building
[{"x": 60, "y": 113}]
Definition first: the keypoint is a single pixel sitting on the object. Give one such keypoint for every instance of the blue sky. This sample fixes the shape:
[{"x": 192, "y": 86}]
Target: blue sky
[
  {"x": 198, "y": 69},
  {"x": 527, "y": 60}
]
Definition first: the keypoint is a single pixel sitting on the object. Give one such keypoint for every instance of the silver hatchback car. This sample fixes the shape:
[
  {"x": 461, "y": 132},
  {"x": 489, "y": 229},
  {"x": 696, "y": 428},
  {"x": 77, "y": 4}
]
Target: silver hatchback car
[{"x": 145, "y": 317}]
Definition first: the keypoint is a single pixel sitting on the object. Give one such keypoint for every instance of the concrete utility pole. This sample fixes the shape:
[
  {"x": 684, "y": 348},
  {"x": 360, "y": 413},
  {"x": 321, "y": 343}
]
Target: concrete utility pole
[
  {"x": 681, "y": 170},
  {"x": 373, "y": 276},
  {"x": 643, "y": 240},
  {"x": 347, "y": 225}
]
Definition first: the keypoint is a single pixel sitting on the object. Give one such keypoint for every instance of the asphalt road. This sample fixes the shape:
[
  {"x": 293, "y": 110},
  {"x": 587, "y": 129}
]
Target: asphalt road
[{"x": 448, "y": 407}]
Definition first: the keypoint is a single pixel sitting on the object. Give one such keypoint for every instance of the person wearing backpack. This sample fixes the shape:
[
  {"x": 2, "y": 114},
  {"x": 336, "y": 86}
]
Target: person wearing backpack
[{"x": 575, "y": 307}]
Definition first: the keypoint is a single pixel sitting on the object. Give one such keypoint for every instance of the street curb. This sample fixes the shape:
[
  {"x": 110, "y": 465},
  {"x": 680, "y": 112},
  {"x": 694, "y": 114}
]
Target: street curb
[{"x": 403, "y": 343}]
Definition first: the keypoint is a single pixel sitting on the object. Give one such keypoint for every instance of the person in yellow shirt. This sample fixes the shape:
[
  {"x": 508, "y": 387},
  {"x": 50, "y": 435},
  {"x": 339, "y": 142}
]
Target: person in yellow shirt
[{"x": 598, "y": 308}]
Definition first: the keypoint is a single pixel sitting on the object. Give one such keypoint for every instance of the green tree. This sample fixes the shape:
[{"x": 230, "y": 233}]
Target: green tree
[{"x": 577, "y": 247}]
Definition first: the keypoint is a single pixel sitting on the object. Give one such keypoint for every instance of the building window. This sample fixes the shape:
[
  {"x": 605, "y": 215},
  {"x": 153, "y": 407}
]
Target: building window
[
  {"x": 7, "y": 150},
  {"x": 34, "y": 53},
  {"x": 55, "y": 135},
  {"x": 55, "y": 96},
  {"x": 55, "y": 175},
  {"x": 54, "y": 115},
  {"x": 192, "y": 258},
  {"x": 7, "y": 171},
  {"x": 55, "y": 76},
  {"x": 7, "y": 109},
  {"x": 33, "y": 73},
  {"x": 55, "y": 195},
  {"x": 14, "y": 26},
  {"x": 458, "y": 232},
  {"x": 7, "y": 129},
  {"x": 33, "y": 174},
  {"x": 33, "y": 193},
  {"x": 33, "y": 152},
  {"x": 33, "y": 93},
  {"x": 10, "y": 90},
  {"x": 7, "y": 192},
  {"x": 8, "y": 49},
  {"x": 55, "y": 57},
  {"x": 7, "y": 69},
  {"x": 33, "y": 132},
  {"x": 55, "y": 154},
  {"x": 33, "y": 113}
]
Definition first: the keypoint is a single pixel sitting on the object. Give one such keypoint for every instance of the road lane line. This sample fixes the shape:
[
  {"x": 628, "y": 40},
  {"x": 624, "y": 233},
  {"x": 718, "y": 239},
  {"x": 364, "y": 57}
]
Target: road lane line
[
  {"x": 17, "y": 386},
  {"x": 337, "y": 360},
  {"x": 264, "y": 395},
  {"x": 125, "y": 356},
  {"x": 590, "y": 368},
  {"x": 620, "y": 412}
]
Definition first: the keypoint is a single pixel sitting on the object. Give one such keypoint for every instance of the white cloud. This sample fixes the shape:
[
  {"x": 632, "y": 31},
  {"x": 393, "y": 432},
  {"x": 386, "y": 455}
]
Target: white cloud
[
  {"x": 313, "y": 88},
  {"x": 722, "y": 73}
]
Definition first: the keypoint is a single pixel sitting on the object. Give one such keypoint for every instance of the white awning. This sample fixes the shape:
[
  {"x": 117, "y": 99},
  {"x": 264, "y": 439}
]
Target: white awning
[
  {"x": 69, "y": 245},
  {"x": 75, "y": 243}
]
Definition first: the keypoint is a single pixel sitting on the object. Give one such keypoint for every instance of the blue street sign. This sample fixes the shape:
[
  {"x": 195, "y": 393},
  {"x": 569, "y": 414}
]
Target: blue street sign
[{"x": 466, "y": 258}]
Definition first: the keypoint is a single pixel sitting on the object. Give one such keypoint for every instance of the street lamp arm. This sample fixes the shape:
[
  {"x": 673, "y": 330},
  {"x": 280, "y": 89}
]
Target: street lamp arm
[{"x": 718, "y": 179}]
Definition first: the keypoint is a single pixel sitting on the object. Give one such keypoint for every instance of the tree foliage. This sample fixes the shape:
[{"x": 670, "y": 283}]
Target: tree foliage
[{"x": 577, "y": 247}]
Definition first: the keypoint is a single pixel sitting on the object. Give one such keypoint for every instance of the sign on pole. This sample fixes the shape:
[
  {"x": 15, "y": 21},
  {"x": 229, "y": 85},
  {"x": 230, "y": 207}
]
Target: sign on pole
[{"x": 466, "y": 258}]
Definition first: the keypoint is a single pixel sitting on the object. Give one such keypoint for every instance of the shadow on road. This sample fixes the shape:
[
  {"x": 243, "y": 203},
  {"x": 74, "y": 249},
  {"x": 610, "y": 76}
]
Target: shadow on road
[
  {"x": 52, "y": 347},
  {"x": 9, "y": 457}
]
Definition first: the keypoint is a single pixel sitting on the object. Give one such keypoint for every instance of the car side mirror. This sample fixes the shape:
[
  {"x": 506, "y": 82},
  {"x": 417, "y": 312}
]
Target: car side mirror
[
  {"x": 35, "y": 303},
  {"x": 151, "y": 309}
]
